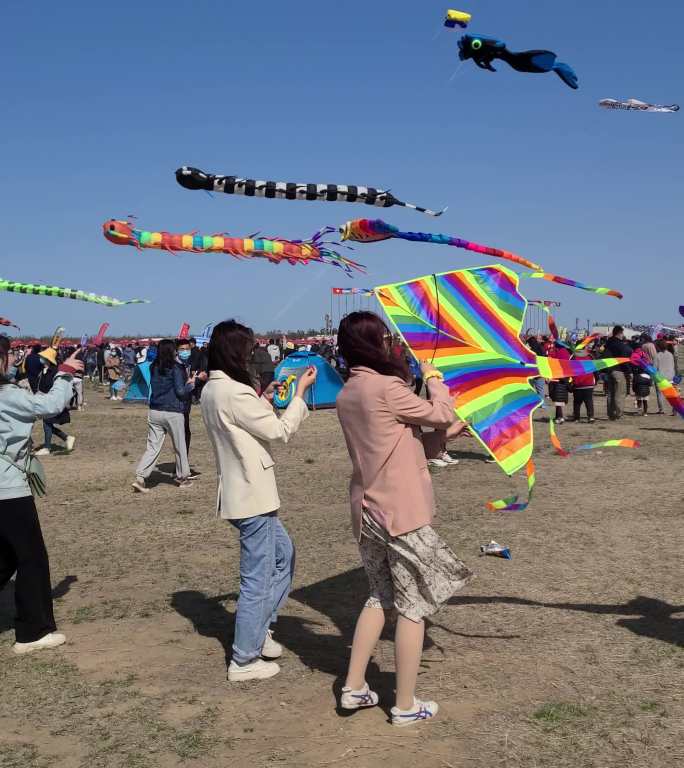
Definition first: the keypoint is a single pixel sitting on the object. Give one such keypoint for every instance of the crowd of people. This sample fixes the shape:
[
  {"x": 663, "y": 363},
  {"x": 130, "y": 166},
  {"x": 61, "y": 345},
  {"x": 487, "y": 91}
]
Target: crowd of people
[{"x": 411, "y": 570}]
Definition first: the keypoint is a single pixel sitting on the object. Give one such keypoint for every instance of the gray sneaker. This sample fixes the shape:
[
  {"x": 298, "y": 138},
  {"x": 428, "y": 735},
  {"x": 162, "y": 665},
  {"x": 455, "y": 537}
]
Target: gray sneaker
[{"x": 184, "y": 482}]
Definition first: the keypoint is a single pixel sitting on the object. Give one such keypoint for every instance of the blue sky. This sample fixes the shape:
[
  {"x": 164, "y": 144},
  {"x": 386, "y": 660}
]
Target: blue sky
[{"x": 103, "y": 101}]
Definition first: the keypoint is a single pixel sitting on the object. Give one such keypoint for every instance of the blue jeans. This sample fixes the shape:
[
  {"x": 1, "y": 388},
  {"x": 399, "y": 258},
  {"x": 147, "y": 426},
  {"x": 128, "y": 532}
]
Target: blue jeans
[
  {"x": 267, "y": 560},
  {"x": 539, "y": 384},
  {"x": 49, "y": 430}
]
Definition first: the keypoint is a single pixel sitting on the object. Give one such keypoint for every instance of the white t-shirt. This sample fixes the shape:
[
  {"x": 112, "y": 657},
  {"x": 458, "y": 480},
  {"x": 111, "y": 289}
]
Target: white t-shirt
[{"x": 274, "y": 351}]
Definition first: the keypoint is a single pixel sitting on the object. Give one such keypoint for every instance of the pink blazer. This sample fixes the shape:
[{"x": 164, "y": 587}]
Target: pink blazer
[{"x": 381, "y": 419}]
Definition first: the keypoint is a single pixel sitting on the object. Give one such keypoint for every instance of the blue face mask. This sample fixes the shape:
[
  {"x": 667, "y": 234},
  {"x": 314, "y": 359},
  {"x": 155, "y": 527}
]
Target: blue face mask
[{"x": 184, "y": 355}]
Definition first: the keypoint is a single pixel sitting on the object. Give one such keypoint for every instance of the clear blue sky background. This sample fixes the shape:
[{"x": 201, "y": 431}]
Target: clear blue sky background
[{"x": 103, "y": 101}]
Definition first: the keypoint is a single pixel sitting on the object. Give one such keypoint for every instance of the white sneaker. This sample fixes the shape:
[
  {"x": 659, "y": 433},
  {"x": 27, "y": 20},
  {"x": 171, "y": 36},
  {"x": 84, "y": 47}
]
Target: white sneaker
[
  {"x": 139, "y": 486},
  {"x": 70, "y": 442},
  {"x": 358, "y": 699},
  {"x": 446, "y": 456},
  {"x": 43, "y": 452},
  {"x": 255, "y": 670},
  {"x": 271, "y": 649},
  {"x": 51, "y": 640},
  {"x": 183, "y": 482},
  {"x": 421, "y": 710},
  {"x": 437, "y": 463}
]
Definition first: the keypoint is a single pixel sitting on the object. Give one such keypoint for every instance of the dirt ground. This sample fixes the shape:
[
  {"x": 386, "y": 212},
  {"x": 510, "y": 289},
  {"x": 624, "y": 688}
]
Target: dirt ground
[{"x": 571, "y": 654}]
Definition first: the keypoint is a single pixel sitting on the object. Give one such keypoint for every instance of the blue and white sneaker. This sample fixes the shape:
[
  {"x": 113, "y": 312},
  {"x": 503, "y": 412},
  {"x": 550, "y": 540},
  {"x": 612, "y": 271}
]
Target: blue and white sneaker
[
  {"x": 421, "y": 710},
  {"x": 358, "y": 699}
]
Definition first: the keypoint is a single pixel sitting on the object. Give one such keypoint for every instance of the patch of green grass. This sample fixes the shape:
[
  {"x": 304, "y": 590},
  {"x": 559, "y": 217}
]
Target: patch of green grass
[
  {"x": 192, "y": 745},
  {"x": 648, "y": 706},
  {"x": 82, "y": 614},
  {"x": 557, "y": 713}
]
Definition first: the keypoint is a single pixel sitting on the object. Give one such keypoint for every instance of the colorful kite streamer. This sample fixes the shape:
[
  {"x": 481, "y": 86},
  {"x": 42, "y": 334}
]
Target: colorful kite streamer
[
  {"x": 467, "y": 323},
  {"x": 572, "y": 283},
  {"x": 373, "y": 230},
  {"x": 64, "y": 293},
  {"x": 193, "y": 178},
  {"x": 664, "y": 385},
  {"x": 624, "y": 443},
  {"x": 276, "y": 251}
]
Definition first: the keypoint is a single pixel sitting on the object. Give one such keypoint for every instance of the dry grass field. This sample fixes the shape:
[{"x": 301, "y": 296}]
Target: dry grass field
[{"x": 569, "y": 655}]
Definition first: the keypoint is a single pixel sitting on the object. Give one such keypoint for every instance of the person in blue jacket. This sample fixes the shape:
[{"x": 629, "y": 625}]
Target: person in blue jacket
[
  {"x": 171, "y": 390},
  {"x": 22, "y": 548}
]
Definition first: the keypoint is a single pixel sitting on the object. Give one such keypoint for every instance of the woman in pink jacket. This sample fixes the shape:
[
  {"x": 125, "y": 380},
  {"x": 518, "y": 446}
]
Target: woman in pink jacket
[{"x": 410, "y": 569}]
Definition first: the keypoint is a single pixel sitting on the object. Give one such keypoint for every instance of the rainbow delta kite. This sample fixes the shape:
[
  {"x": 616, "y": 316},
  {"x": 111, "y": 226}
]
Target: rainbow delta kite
[
  {"x": 276, "y": 250},
  {"x": 467, "y": 323}
]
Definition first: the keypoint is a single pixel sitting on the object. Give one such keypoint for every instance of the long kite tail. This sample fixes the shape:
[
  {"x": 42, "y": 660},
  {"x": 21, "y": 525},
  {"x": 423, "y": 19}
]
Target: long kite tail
[
  {"x": 512, "y": 503},
  {"x": 665, "y": 386},
  {"x": 572, "y": 283},
  {"x": 624, "y": 443},
  {"x": 194, "y": 178},
  {"x": 32, "y": 289},
  {"x": 553, "y": 368},
  {"x": 373, "y": 230}
]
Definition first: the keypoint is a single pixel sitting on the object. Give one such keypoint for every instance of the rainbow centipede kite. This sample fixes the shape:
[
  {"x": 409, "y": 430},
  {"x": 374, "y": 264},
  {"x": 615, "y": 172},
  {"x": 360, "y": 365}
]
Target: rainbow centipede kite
[{"x": 275, "y": 250}]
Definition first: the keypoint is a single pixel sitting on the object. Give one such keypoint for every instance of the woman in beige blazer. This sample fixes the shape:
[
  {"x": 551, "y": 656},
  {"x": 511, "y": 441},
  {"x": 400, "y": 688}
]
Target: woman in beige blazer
[
  {"x": 241, "y": 426},
  {"x": 411, "y": 570}
]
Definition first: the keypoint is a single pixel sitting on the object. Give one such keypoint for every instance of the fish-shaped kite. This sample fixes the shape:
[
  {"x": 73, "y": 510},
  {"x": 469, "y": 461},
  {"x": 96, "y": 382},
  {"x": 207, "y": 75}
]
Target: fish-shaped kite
[
  {"x": 64, "y": 293},
  {"x": 467, "y": 323},
  {"x": 634, "y": 105},
  {"x": 193, "y": 178},
  {"x": 292, "y": 251},
  {"x": 374, "y": 230},
  {"x": 484, "y": 50},
  {"x": 457, "y": 19}
]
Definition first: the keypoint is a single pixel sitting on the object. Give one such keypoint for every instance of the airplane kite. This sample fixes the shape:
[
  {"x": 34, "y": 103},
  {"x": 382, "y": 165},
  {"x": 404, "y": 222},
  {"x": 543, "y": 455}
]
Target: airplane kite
[
  {"x": 193, "y": 178},
  {"x": 277, "y": 250},
  {"x": 467, "y": 323},
  {"x": 634, "y": 105},
  {"x": 484, "y": 50}
]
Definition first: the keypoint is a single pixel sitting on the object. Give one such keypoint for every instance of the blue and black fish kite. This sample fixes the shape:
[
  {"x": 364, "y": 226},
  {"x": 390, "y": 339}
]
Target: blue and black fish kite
[{"x": 483, "y": 50}]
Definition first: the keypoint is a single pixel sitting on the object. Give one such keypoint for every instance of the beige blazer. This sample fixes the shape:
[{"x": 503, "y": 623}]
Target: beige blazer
[
  {"x": 381, "y": 418},
  {"x": 241, "y": 425}
]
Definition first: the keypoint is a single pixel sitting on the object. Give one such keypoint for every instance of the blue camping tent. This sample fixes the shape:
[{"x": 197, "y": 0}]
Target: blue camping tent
[
  {"x": 328, "y": 381},
  {"x": 139, "y": 388}
]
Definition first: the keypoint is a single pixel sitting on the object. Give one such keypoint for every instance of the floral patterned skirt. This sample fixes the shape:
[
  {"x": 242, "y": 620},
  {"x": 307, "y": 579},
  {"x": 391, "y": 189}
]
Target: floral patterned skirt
[{"x": 415, "y": 573}]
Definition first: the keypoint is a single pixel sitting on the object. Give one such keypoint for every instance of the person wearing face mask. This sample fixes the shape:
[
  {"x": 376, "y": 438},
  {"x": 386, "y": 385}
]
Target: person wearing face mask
[
  {"x": 184, "y": 357},
  {"x": 171, "y": 390},
  {"x": 22, "y": 549}
]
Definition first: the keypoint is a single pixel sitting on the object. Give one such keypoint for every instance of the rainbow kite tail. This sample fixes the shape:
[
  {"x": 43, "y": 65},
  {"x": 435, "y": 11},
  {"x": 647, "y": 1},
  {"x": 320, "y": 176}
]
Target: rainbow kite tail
[
  {"x": 511, "y": 504},
  {"x": 624, "y": 443},
  {"x": 667, "y": 388},
  {"x": 572, "y": 283}
]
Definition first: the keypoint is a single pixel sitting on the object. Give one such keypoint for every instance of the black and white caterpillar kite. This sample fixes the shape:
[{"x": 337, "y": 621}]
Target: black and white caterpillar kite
[{"x": 193, "y": 178}]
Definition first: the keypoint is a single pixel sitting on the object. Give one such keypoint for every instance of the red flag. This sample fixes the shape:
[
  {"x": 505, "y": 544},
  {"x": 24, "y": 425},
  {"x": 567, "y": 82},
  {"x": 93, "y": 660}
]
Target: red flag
[
  {"x": 184, "y": 331},
  {"x": 101, "y": 334}
]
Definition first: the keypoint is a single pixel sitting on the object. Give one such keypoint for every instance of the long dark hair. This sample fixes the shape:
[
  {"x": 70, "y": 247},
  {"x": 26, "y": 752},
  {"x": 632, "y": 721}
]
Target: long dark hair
[
  {"x": 166, "y": 356},
  {"x": 229, "y": 350},
  {"x": 4, "y": 358},
  {"x": 364, "y": 339}
]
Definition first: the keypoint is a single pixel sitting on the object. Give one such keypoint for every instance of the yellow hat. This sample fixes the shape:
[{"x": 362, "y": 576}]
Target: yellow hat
[{"x": 49, "y": 354}]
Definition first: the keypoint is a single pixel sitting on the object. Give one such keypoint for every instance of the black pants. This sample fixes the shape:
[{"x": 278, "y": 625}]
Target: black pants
[
  {"x": 586, "y": 397},
  {"x": 188, "y": 435},
  {"x": 22, "y": 549}
]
